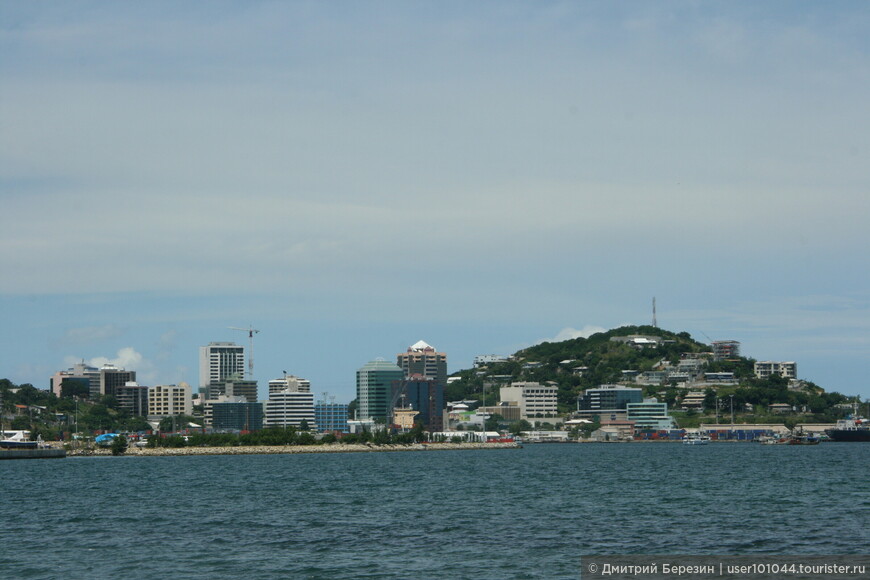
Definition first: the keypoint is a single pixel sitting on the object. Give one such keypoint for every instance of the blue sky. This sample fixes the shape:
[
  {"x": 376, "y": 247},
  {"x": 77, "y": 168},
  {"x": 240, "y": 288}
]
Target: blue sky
[{"x": 352, "y": 177}]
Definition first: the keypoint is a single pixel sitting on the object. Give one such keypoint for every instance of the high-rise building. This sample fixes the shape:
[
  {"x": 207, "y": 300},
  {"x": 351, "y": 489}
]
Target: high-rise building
[
  {"x": 79, "y": 371},
  {"x": 219, "y": 361},
  {"x": 289, "y": 382},
  {"x": 233, "y": 386},
  {"x": 236, "y": 414},
  {"x": 423, "y": 359},
  {"x": 133, "y": 397},
  {"x": 291, "y": 406},
  {"x": 374, "y": 387},
  {"x": 426, "y": 396},
  {"x": 112, "y": 378},
  {"x": 608, "y": 400},
  {"x": 169, "y": 400},
  {"x": 330, "y": 416}
]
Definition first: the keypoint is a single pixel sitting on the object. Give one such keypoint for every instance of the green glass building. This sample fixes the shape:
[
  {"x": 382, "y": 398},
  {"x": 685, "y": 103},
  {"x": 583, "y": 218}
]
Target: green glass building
[{"x": 374, "y": 387}]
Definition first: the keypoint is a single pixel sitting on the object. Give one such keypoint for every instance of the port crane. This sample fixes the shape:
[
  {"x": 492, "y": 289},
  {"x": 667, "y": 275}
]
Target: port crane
[{"x": 251, "y": 332}]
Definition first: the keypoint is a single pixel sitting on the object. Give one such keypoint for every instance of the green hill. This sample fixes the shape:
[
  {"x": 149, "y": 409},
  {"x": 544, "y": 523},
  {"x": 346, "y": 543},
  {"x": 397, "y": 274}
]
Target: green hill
[{"x": 581, "y": 363}]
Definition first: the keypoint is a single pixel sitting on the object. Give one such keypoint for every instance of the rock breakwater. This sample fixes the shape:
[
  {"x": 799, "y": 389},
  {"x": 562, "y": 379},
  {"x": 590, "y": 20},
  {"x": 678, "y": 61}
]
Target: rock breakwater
[{"x": 286, "y": 449}]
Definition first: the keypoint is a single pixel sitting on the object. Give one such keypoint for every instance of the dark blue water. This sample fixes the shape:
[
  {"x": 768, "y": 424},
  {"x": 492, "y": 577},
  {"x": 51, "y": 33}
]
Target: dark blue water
[{"x": 528, "y": 513}]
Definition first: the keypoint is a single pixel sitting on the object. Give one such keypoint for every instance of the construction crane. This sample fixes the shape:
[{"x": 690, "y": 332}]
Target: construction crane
[{"x": 251, "y": 331}]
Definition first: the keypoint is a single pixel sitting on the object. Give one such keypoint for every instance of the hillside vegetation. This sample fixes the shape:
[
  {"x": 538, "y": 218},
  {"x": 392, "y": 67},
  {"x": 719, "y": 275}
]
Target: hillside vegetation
[{"x": 581, "y": 363}]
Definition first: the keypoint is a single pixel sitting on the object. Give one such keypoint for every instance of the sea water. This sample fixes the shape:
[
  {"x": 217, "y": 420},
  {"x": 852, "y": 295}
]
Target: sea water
[{"x": 523, "y": 513}]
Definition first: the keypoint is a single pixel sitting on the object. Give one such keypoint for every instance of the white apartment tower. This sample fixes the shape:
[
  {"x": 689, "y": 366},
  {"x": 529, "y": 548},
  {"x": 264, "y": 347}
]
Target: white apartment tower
[
  {"x": 291, "y": 404},
  {"x": 787, "y": 370},
  {"x": 219, "y": 361},
  {"x": 291, "y": 383},
  {"x": 169, "y": 400}
]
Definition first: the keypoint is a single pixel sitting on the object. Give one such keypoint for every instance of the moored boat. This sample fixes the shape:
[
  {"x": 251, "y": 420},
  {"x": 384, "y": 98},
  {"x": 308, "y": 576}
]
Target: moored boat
[
  {"x": 17, "y": 440},
  {"x": 695, "y": 439},
  {"x": 852, "y": 428},
  {"x": 803, "y": 440}
]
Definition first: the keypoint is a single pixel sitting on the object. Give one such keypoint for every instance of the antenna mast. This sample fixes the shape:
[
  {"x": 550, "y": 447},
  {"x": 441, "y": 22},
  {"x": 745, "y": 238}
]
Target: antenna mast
[{"x": 655, "y": 324}]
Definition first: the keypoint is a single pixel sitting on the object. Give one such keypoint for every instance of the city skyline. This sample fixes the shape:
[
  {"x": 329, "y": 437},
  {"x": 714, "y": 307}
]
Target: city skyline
[{"x": 350, "y": 180}]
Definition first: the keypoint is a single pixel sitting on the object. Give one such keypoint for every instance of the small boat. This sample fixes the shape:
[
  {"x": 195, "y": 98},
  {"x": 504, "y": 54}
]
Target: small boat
[
  {"x": 18, "y": 440},
  {"x": 803, "y": 440},
  {"x": 695, "y": 439}
]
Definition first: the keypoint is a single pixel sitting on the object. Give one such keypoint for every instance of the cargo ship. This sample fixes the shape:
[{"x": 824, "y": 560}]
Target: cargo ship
[{"x": 852, "y": 428}]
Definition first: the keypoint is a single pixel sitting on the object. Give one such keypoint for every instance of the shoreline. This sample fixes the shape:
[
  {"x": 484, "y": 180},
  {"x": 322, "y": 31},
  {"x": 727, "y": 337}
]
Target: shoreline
[{"x": 287, "y": 449}]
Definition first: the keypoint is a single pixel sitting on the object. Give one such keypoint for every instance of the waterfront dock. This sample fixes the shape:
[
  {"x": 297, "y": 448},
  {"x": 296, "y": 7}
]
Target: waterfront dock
[{"x": 32, "y": 453}]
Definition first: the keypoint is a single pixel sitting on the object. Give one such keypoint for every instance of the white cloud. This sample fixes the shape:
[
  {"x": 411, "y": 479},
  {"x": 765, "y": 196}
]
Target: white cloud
[
  {"x": 569, "y": 333},
  {"x": 127, "y": 358}
]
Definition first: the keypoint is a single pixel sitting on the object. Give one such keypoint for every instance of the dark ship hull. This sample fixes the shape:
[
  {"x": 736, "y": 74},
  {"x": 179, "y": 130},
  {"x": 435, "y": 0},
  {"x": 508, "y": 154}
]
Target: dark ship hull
[{"x": 848, "y": 434}]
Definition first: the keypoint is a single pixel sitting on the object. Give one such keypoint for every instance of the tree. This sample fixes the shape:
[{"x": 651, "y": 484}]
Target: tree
[
  {"x": 493, "y": 422},
  {"x": 709, "y": 400},
  {"x": 175, "y": 422},
  {"x": 110, "y": 401},
  {"x": 74, "y": 387},
  {"x": 303, "y": 425},
  {"x": 27, "y": 395},
  {"x": 587, "y": 428},
  {"x": 519, "y": 426},
  {"x": 119, "y": 445},
  {"x": 417, "y": 433}
]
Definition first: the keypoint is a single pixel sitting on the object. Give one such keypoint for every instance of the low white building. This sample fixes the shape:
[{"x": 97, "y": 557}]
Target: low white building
[
  {"x": 534, "y": 399},
  {"x": 787, "y": 370},
  {"x": 482, "y": 360}
]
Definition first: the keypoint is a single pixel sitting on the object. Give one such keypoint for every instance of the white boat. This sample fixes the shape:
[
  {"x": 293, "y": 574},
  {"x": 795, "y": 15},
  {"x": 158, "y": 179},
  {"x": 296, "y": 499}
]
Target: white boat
[
  {"x": 695, "y": 439},
  {"x": 17, "y": 440}
]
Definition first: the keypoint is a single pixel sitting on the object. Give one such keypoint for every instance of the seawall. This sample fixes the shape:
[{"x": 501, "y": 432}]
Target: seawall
[
  {"x": 32, "y": 453},
  {"x": 285, "y": 449}
]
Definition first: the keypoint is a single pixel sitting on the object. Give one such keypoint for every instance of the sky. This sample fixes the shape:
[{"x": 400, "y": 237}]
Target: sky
[{"x": 351, "y": 177}]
